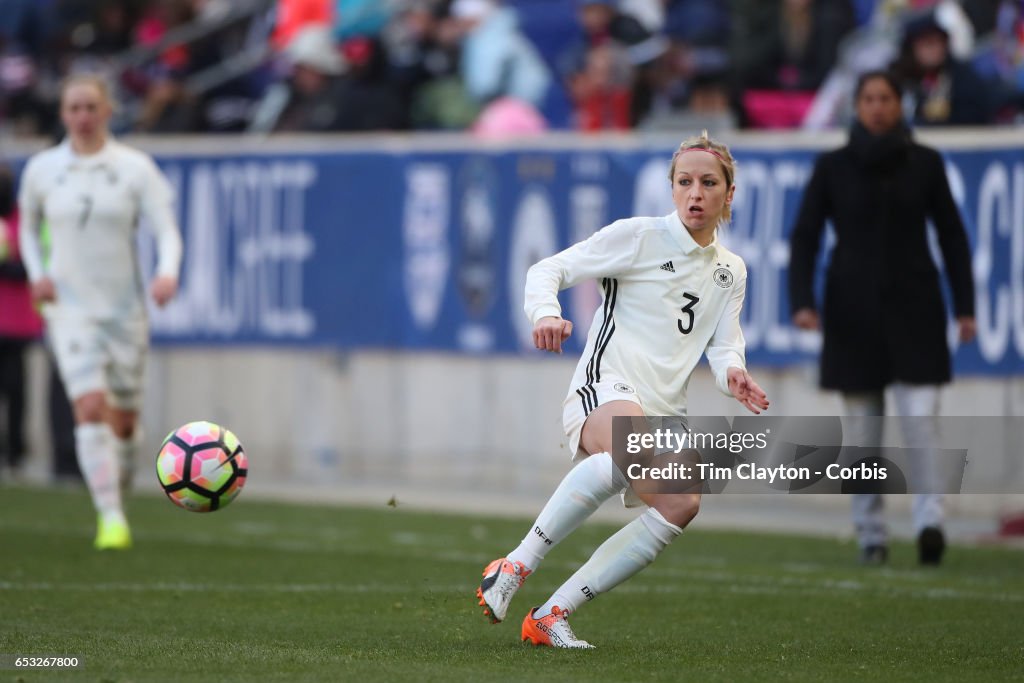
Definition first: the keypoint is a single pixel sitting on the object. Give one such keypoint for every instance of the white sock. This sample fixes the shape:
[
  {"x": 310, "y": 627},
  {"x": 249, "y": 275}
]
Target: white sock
[
  {"x": 97, "y": 459},
  {"x": 629, "y": 550},
  {"x": 582, "y": 491},
  {"x": 127, "y": 453}
]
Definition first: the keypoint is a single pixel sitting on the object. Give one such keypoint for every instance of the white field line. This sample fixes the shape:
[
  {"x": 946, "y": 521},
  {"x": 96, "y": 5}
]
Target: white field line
[
  {"x": 797, "y": 579},
  {"x": 824, "y": 588},
  {"x": 424, "y": 547},
  {"x": 188, "y": 587}
]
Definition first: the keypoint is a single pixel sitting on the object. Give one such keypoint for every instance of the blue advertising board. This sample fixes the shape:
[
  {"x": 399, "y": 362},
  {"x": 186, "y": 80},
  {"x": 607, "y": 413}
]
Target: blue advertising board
[{"x": 428, "y": 250}]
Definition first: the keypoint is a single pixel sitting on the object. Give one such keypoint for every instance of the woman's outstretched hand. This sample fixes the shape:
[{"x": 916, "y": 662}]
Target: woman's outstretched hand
[{"x": 746, "y": 390}]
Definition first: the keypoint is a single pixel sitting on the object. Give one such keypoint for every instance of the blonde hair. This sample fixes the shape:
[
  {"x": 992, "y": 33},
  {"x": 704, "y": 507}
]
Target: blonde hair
[
  {"x": 716, "y": 148},
  {"x": 92, "y": 79}
]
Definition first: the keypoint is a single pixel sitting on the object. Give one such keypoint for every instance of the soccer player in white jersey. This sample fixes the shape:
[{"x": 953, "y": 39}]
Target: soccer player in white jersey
[
  {"x": 671, "y": 292},
  {"x": 91, "y": 191}
]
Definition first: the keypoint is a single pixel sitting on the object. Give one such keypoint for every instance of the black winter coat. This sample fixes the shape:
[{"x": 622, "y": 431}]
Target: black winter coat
[{"x": 884, "y": 318}]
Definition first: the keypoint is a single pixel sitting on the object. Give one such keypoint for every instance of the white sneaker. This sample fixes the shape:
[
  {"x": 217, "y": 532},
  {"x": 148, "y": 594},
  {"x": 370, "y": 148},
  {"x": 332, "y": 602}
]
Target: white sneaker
[{"x": 502, "y": 579}]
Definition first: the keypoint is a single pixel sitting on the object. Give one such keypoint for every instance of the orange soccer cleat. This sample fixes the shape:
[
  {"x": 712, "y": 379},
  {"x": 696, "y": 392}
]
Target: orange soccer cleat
[{"x": 552, "y": 630}]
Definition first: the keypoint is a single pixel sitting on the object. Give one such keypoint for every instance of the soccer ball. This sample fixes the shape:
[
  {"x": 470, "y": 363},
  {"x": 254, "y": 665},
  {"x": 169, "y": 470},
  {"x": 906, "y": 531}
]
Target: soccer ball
[{"x": 201, "y": 466}]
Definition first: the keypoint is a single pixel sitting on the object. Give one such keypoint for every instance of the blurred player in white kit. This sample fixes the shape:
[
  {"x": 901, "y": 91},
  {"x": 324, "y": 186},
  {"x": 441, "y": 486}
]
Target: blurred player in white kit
[{"x": 91, "y": 191}]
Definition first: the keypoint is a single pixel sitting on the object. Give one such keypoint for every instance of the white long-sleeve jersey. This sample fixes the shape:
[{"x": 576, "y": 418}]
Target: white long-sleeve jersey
[
  {"x": 92, "y": 206},
  {"x": 666, "y": 300}
]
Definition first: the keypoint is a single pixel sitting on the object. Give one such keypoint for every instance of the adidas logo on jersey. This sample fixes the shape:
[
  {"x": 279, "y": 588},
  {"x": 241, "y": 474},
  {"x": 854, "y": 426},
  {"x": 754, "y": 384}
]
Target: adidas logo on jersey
[{"x": 668, "y": 266}]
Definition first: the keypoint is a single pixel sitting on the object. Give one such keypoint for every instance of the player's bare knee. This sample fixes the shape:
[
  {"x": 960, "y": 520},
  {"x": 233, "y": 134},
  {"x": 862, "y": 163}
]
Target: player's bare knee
[
  {"x": 123, "y": 429},
  {"x": 679, "y": 509},
  {"x": 122, "y": 423},
  {"x": 91, "y": 407}
]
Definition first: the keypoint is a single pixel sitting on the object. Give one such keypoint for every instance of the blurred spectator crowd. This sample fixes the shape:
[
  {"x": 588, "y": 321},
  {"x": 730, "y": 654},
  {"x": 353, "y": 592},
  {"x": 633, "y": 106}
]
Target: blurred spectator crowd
[{"x": 516, "y": 66}]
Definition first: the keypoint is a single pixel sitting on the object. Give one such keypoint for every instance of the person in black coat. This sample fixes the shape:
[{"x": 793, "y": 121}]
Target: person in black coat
[{"x": 884, "y": 315}]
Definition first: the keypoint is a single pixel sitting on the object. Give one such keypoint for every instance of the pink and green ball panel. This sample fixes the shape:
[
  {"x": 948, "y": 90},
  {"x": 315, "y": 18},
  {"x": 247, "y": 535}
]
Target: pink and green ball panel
[{"x": 217, "y": 466}]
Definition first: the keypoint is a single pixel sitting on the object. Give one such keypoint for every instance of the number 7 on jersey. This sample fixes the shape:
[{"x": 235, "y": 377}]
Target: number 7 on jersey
[{"x": 83, "y": 217}]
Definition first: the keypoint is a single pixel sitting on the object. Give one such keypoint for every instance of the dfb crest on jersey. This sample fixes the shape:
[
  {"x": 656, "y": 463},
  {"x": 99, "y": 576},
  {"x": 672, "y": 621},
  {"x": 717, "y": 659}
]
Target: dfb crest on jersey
[{"x": 723, "y": 278}]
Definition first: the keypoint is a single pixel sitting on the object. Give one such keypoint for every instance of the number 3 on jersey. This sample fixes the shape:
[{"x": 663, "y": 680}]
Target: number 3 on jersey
[{"x": 691, "y": 301}]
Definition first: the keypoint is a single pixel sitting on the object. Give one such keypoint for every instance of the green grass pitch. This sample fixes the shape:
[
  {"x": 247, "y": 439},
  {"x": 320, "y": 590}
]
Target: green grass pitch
[{"x": 273, "y": 592}]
